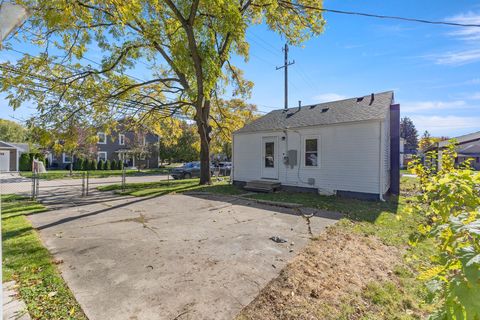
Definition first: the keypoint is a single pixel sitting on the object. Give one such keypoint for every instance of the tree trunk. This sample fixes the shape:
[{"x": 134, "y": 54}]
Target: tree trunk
[
  {"x": 71, "y": 164},
  {"x": 204, "y": 132}
]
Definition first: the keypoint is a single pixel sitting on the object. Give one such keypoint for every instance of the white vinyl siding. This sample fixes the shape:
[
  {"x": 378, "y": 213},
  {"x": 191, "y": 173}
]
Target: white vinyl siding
[{"x": 348, "y": 157}]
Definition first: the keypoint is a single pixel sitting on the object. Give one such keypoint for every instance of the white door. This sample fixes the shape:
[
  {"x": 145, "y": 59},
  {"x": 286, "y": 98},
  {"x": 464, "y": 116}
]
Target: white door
[
  {"x": 4, "y": 160},
  {"x": 270, "y": 158}
]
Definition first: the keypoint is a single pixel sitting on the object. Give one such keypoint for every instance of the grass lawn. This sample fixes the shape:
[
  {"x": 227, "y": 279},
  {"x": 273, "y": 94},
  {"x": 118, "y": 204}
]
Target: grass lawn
[
  {"x": 173, "y": 186},
  {"x": 65, "y": 174},
  {"x": 29, "y": 263}
]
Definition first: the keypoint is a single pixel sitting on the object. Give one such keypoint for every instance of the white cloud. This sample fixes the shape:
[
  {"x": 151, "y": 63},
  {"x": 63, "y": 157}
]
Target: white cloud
[
  {"x": 446, "y": 125},
  {"x": 469, "y": 37},
  {"x": 467, "y": 33},
  {"x": 326, "y": 97},
  {"x": 457, "y": 57},
  {"x": 474, "y": 96},
  {"x": 420, "y": 106}
]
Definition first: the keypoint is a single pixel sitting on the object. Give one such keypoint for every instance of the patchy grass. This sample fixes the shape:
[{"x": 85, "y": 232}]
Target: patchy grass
[
  {"x": 173, "y": 186},
  {"x": 65, "y": 174},
  {"x": 361, "y": 268},
  {"x": 29, "y": 263}
]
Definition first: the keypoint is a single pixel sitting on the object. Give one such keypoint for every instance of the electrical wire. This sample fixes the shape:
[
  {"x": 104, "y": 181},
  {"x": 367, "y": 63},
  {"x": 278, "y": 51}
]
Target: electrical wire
[{"x": 379, "y": 16}]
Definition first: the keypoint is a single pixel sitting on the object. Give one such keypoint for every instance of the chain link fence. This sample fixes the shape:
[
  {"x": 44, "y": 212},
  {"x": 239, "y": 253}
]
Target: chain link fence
[{"x": 60, "y": 183}]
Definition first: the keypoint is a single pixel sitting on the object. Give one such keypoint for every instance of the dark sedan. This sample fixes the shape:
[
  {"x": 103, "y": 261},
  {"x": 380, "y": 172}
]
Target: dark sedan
[{"x": 187, "y": 171}]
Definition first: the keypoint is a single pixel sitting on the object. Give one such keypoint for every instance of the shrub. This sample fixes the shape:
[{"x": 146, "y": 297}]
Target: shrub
[
  {"x": 101, "y": 165},
  {"x": 81, "y": 164},
  {"x": 113, "y": 165},
  {"x": 93, "y": 164},
  {"x": 120, "y": 165},
  {"x": 451, "y": 202},
  {"x": 108, "y": 165},
  {"x": 25, "y": 162}
]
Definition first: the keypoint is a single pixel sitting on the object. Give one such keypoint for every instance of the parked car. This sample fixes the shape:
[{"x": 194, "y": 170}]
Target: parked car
[
  {"x": 187, "y": 171},
  {"x": 223, "y": 168}
]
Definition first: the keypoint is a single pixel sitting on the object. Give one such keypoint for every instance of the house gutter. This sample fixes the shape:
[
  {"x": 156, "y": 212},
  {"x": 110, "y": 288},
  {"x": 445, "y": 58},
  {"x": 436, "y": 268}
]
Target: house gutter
[{"x": 380, "y": 165}]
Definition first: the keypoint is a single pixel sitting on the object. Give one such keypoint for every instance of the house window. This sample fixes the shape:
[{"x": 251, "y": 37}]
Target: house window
[
  {"x": 102, "y": 155},
  {"x": 311, "y": 152},
  {"x": 121, "y": 139},
  {"x": 269, "y": 154},
  {"x": 102, "y": 138},
  {"x": 66, "y": 158}
]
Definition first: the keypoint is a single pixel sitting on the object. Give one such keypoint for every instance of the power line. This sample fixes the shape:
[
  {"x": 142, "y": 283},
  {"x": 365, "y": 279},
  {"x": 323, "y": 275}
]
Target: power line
[{"x": 379, "y": 16}]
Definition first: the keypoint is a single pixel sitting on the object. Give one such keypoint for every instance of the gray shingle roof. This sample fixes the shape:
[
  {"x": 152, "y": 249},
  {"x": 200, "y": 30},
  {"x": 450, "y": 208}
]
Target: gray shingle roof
[{"x": 348, "y": 110}]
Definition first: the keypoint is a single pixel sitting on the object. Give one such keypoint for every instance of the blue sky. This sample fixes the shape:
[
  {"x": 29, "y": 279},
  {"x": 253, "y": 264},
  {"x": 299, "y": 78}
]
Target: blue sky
[{"x": 434, "y": 70}]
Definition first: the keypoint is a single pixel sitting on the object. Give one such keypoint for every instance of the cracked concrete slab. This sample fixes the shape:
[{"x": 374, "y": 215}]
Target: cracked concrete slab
[
  {"x": 13, "y": 307},
  {"x": 172, "y": 257}
]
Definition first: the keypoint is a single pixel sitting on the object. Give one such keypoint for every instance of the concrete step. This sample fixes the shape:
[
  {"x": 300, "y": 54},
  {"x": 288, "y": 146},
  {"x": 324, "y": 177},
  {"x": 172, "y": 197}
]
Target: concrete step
[{"x": 262, "y": 185}]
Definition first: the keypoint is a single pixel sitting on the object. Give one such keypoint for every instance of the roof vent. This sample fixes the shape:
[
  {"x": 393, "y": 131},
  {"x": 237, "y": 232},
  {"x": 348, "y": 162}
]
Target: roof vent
[
  {"x": 372, "y": 98},
  {"x": 359, "y": 99},
  {"x": 325, "y": 110},
  {"x": 313, "y": 106}
]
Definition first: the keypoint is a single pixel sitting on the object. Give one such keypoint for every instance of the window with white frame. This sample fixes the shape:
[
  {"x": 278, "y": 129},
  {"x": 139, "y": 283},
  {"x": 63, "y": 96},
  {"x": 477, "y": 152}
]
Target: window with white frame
[
  {"x": 102, "y": 155},
  {"x": 102, "y": 138},
  {"x": 311, "y": 152},
  {"x": 121, "y": 139},
  {"x": 66, "y": 158}
]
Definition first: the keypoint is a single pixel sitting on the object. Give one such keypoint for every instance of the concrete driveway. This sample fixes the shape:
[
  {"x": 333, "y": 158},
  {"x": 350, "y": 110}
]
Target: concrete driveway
[{"x": 171, "y": 257}]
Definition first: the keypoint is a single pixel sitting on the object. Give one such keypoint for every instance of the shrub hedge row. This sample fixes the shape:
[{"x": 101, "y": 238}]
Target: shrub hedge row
[{"x": 92, "y": 164}]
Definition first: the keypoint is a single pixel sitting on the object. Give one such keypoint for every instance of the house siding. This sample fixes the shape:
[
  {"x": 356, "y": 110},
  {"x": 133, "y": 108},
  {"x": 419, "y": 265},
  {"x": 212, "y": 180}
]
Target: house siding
[
  {"x": 112, "y": 146},
  {"x": 349, "y": 157}
]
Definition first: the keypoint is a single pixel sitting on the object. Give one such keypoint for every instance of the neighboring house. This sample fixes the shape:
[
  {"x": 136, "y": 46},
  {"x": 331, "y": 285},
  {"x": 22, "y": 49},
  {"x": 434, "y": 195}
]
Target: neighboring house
[
  {"x": 348, "y": 147},
  {"x": 468, "y": 147},
  {"x": 10, "y": 155},
  {"x": 119, "y": 146}
]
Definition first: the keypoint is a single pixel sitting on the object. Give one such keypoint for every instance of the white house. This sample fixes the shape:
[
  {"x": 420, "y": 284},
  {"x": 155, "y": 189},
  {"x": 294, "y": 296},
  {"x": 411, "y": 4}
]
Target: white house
[
  {"x": 348, "y": 147},
  {"x": 10, "y": 155}
]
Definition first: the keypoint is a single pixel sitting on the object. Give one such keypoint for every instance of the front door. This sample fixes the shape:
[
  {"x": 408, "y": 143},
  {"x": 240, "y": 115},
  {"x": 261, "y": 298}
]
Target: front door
[
  {"x": 4, "y": 160},
  {"x": 270, "y": 157}
]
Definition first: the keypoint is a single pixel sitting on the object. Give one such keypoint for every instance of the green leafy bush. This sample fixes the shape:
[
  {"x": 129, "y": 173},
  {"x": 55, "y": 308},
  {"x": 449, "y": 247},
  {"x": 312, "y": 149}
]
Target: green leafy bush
[
  {"x": 450, "y": 199},
  {"x": 93, "y": 164},
  {"x": 114, "y": 164},
  {"x": 25, "y": 162},
  {"x": 108, "y": 165},
  {"x": 101, "y": 165},
  {"x": 81, "y": 164}
]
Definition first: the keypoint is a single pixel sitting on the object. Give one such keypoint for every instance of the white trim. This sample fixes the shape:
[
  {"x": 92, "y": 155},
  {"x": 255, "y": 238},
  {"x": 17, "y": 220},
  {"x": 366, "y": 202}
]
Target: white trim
[
  {"x": 304, "y": 150},
  {"x": 121, "y": 139},
  {"x": 104, "y": 134},
  {"x": 63, "y": 159},
  {"x": 102, "y": 152}
]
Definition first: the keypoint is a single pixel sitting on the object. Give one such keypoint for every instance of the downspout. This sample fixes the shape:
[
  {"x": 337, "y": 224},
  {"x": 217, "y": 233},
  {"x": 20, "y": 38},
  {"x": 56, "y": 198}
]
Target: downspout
[{"x": 380, "y": 165}]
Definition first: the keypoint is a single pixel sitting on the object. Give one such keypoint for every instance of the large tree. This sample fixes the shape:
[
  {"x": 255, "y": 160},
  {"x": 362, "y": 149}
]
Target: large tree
[
  {"x": 185, "y": 46},
  {"x": 11, "y": 131},
  {"x": 409, "y": 133}
]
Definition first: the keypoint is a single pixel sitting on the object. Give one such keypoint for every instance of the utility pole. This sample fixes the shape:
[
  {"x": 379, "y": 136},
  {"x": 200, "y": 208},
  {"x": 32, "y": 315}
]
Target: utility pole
[{"x": 285, "y": 66}]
